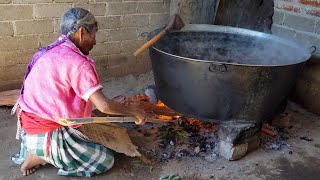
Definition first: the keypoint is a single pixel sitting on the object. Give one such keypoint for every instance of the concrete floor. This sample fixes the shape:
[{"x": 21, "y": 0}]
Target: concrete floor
[{"x": 303, "y": 163}]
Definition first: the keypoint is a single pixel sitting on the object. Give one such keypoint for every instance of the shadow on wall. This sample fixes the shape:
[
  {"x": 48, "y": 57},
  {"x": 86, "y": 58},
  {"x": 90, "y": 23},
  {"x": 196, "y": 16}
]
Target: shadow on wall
[{"x": 249, "y": 14}]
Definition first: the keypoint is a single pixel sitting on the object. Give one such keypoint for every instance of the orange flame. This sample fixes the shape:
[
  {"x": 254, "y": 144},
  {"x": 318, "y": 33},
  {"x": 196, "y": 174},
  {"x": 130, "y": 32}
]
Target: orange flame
[{"x": 160, "y": 104}]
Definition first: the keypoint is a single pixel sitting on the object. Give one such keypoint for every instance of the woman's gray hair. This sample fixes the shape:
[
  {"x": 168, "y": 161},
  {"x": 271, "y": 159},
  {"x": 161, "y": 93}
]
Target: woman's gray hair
[
  {"x": 75, "y": 18},
  {"x": 71, "y": 21}
]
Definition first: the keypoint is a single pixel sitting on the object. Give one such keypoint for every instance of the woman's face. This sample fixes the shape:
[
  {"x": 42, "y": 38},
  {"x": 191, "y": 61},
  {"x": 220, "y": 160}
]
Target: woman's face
[{"x": 88, "y": 40}]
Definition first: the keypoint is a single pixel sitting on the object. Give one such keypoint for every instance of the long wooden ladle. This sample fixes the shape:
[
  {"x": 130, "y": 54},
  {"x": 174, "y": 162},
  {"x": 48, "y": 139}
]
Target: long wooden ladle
[{"x": 174, "y": 23}]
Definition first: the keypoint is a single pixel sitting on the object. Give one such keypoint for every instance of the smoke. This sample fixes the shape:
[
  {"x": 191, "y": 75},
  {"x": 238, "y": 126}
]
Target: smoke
[{"x": 231, "y": 48}]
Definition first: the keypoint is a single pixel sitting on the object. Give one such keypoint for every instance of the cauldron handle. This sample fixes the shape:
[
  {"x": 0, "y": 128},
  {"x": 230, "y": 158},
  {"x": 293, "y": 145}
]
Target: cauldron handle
[
  {"x": 313, "y": 49},
  {"x": 218, "y": 67}
]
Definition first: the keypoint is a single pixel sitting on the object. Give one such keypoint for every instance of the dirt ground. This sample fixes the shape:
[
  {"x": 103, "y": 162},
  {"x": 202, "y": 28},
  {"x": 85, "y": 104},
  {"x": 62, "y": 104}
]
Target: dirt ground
[{"x": 303, "y": 162}]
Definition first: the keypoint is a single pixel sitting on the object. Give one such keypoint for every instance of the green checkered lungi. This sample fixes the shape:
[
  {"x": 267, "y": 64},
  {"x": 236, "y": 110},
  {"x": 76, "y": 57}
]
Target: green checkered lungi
[{"x": 72, "y": 155}]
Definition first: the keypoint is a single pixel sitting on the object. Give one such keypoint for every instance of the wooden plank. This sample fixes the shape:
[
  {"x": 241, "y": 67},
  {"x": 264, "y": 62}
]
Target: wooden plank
[{"x": 9, "y": 98}]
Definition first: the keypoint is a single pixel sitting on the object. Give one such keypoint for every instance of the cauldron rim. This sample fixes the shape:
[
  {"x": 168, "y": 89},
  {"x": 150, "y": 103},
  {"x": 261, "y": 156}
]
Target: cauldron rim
[{"x": 305, "y": 55}]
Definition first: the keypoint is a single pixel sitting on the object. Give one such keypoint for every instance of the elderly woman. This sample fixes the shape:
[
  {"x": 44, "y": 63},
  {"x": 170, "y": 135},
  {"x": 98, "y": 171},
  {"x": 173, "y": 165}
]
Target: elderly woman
[{"x": 61, "y": 82}]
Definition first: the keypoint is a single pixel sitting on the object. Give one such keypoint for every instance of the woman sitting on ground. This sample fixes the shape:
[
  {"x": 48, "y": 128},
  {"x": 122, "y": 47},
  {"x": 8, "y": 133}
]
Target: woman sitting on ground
[{"x": 61, "y": 82}]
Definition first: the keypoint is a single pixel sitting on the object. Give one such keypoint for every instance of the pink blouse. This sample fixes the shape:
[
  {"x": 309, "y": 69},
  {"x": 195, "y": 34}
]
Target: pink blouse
[{"x": 60, "y": 84}]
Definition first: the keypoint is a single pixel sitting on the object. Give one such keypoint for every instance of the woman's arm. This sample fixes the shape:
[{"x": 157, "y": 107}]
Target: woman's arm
[{"x": 108, "y": 106}]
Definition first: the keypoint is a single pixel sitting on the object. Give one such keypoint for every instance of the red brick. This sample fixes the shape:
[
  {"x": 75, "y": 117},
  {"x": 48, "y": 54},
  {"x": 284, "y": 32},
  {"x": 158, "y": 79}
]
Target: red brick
[
  {"x": 314, "y": 12},
  {"x": 289, "y": 8},
  {"x": 315, "y": 3}
]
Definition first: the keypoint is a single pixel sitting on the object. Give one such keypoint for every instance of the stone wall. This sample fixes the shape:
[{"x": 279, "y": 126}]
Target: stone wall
[
  {"x": 27, "y": 25},
  {"x": 298, "y": 20}
]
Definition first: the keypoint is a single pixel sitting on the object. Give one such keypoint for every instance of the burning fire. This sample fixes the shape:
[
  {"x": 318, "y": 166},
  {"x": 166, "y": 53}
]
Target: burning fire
[
  {"x": 159, "y": 111},
  {"x": 167, "y": 114},
  {"x": 165, "y": 110},
  {"x": 161, "y": 104}
]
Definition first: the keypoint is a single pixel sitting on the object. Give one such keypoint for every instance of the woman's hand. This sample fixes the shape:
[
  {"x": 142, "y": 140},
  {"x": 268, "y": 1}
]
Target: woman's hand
[
  {"x": 140, "y": 114},
  {"x": 108, "y": 106}
]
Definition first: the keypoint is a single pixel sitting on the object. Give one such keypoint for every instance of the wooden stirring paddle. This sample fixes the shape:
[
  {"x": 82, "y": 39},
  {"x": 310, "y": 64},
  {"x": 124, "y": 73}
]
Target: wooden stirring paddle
[
  {"x": 174, "y": 23},
  {"x": 88, "y": 120}
]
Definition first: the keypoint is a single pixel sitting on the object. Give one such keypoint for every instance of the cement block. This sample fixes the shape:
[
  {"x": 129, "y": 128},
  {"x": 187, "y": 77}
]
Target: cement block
[
  {"x": 283, "y": 31},
  {"x": 117, "y": 60},
  {"x": 253, "y": 144},
  {"x": 143, "y": 31},
  {"x": 120, "y": 8},
  {"x": 159, "y": 19},
  {"x": 71, "y": 1},
  {"x": 131, "y": 46},
  {"x": 153, "y": 7},
  {"x": 10, "y": 73},
  {"x": 50, "y": 10},
  {"x": 237, "y": 133},
  {"x": 299, "y": 22},
  {"x": 106, "y": 48},
  {"x": 231, "y": 152},
  {"x": 101, "y": 62},
  {"x": 47, "y": 39},
  {"x": 56, "y": 26},
  {"x": 123, "y": 34},
  {"x": 19, "y": 43},
  {"x": 5, "y": 1},
  {"x": 110, "y": 22},
  {"x": 278, "y": 17},
  {"x": 111, "y": 0},
  {"x": 6, "y": 29},
  {"x": 12, "y": 58},
  {"x": 103, "y": 36},
  {"x": 135, "y": 20},
  {"x": 97, "y": 9},
  {"x": 34, "y": 27},
  {"x": 31, "y": 1},
  {"x": 20, "y": 12},
  {"x": 140, "y": 66}
]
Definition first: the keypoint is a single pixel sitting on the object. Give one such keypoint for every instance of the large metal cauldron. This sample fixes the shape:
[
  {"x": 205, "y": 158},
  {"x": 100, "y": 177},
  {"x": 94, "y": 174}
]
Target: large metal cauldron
[{"x": 218, "y": 73}]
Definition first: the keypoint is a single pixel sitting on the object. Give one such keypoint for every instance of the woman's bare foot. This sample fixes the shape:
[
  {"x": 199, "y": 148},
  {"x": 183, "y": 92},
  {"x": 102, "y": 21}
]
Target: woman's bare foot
[{"x": 31, "y": 164}]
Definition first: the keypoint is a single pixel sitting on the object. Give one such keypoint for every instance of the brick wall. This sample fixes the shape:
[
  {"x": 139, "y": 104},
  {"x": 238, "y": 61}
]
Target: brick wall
[
  {"x": 27, "y": 25},
  {"x": 298, "y": 20}
]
